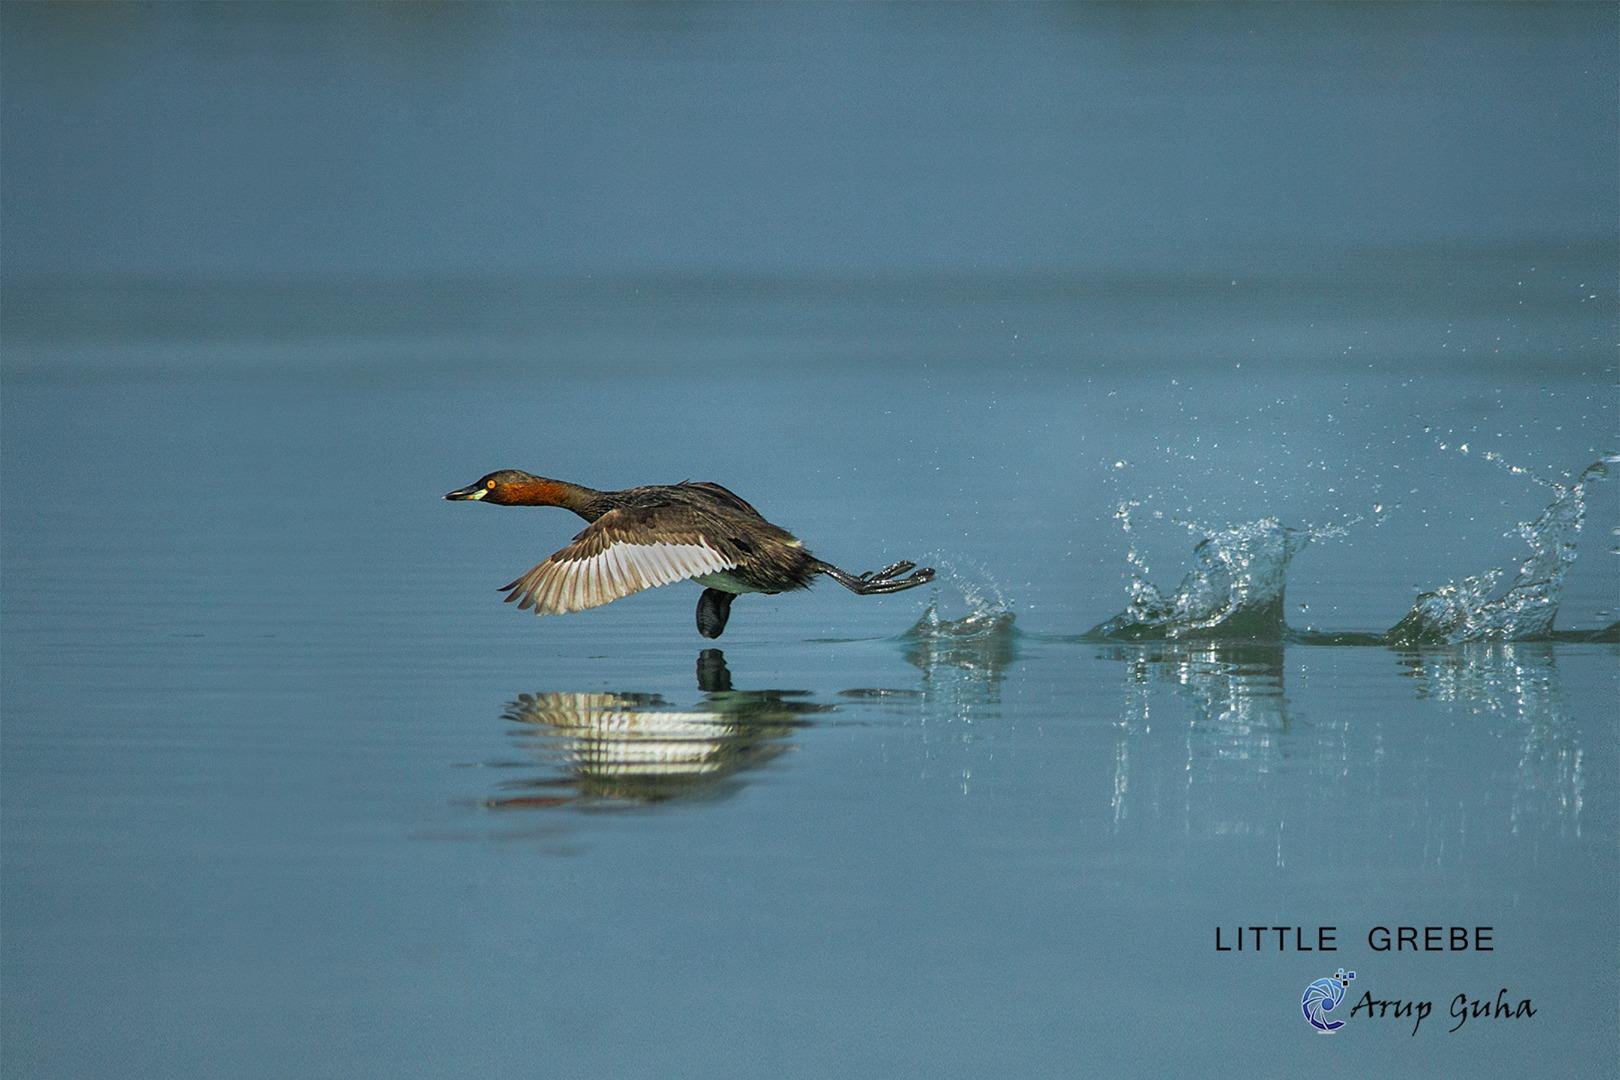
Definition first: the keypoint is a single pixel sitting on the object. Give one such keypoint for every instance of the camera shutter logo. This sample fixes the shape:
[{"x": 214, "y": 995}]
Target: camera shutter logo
[{"x": 1322, "y": 997}]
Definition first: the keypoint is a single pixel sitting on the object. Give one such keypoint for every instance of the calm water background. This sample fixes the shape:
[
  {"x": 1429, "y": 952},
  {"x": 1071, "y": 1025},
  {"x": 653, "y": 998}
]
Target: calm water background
[{"x": 287, "y": 791}]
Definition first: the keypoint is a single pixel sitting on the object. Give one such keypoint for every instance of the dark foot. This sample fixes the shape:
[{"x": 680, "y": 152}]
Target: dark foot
[
  {"x": 714, "y": 608},
  {"x": 887, "y": 580}
]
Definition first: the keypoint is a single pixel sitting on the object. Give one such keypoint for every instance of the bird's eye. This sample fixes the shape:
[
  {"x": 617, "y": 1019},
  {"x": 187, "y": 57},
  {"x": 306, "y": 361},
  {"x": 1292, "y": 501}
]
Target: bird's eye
[{"x": 490, "y": 484}]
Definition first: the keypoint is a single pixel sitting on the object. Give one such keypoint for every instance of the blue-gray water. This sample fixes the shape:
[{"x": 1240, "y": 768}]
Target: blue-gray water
[{"x": 287, "y": 791}]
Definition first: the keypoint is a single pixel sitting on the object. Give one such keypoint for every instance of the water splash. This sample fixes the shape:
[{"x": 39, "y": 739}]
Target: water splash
[
  {"x": 982, "y": 640},
  {"x": 1235, "y": 590},
  {"x": 1471, "y": 610}
]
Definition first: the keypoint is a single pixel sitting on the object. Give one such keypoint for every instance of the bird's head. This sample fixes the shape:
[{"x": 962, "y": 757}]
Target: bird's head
[{"x": 507, "y": 487}]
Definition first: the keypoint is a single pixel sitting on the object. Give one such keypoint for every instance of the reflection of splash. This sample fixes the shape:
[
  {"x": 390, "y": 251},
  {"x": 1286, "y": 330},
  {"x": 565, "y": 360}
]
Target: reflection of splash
[
  {"x": 1235, "y": 590},
  {"x": 1515, "y": 684},
  {"x": 1242, "y": 761},
  {"x": 639, "y": 748},
  {"x": 1235, "y": 686},
  {"x": 963, "y": 661},
  {"x": 1467, "y": 610},
  {"x": 1239, "y": 718}
]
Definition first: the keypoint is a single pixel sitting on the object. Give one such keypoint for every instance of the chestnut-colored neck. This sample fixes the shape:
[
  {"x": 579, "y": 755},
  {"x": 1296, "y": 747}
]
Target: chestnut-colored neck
[{"x": 540, "y": 491}]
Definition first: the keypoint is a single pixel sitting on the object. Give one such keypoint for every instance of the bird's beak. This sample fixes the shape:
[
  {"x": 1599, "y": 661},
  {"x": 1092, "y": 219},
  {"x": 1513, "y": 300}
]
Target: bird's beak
[{"x": 473, "y": 493}]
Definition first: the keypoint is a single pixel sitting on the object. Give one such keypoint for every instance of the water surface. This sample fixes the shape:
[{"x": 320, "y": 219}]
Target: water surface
[{"x": 288, "y": 790}]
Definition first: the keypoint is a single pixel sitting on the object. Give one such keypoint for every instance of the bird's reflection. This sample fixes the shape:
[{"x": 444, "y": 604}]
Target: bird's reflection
[{"x": 607, "y": 748}]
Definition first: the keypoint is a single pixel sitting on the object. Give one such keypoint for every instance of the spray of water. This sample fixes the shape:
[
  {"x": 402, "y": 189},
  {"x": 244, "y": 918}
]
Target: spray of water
[
  {"x": 981, "y": 637},
  {"x": 1235, "y": 589},
  {"x": 1472, "y": 609}
]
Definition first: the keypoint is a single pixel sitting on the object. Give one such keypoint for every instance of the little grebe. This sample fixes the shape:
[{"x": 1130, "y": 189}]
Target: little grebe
[{"x": 643, "y": 537}]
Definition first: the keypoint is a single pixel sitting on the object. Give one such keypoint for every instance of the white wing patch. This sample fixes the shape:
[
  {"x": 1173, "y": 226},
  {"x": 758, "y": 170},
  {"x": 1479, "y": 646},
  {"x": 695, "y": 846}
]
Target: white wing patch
[
  {"x": 558, "y": 586},
  {"x": 607, "y": 735}
]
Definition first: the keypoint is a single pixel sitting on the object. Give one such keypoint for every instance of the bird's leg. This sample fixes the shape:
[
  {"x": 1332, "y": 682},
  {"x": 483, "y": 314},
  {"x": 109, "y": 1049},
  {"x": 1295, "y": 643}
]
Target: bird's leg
[
  {"x": 714, "y": 608},
  {"x": 887, "y": 580}
]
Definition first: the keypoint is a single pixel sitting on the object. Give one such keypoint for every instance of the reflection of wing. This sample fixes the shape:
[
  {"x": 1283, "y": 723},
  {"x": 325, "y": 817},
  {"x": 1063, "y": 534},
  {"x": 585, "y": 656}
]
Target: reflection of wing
[
  {"x": 619, "y": 735},
  {"x": 639, "y": 748},
  {"x": 622, "y": 552}
]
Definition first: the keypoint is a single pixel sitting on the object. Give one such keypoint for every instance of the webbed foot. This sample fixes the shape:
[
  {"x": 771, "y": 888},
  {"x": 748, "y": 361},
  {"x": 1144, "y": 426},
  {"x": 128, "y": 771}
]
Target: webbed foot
[{"x": 887, "y": 580}]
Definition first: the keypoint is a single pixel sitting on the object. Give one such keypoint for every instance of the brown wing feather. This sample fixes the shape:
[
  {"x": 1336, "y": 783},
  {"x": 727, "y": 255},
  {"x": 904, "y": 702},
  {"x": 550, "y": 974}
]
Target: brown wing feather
[
  {"x": 622, "y": 552},
  {"x": 724, "y": 496}
]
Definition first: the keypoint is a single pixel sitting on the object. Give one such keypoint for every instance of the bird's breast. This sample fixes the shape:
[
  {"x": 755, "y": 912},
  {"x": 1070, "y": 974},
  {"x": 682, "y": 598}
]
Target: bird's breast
[{"x": 727, "y": 582}]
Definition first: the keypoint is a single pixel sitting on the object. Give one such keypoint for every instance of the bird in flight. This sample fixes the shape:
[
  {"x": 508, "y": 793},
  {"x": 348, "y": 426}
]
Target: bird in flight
[{"x": 644, "y": 537}]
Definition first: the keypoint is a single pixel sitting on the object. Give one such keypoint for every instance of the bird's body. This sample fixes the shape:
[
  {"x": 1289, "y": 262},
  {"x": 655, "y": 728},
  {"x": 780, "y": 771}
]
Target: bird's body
[{"x": 644, "y": 537}]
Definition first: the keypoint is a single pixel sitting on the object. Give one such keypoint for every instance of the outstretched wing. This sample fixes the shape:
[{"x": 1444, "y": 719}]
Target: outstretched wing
[{"x": 622, "y": 552}]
